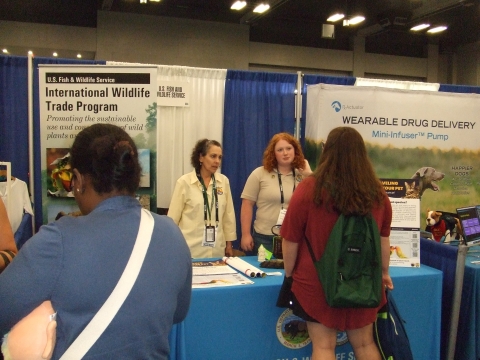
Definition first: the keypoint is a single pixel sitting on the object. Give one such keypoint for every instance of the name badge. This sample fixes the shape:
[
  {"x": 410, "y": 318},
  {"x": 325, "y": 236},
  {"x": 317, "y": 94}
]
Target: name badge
[
  {"x": 210, "y": 236},
  {"x": 281, "y": 216}
]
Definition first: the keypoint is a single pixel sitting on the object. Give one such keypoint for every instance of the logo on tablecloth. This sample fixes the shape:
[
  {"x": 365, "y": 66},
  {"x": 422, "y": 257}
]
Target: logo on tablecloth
[
  {"x": 292, "y": 331},
  {"x": 341, "y": 338}
]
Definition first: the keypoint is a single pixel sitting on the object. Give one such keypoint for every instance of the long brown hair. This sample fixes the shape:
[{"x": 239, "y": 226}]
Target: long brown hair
[
  {"x": 344, "y": 177},
  {"x": 269, "y": 159}
]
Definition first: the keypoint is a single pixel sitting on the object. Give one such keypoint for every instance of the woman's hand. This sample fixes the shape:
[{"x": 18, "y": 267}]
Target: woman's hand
[
  {"x": 229, "y": 249},
  {"x": 305, "y": 170},
  {"x": 387, "y": 281},
  {"x": 247, "y": 242}
]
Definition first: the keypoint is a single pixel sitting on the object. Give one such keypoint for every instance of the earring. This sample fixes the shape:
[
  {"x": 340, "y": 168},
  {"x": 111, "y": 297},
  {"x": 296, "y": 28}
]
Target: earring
[{"x": 78, "y": 190}]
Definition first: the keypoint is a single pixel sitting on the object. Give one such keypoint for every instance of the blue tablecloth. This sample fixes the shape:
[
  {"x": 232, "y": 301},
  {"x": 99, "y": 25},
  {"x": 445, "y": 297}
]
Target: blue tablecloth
[
  {"x": 242, "y": 322},
  {"x": 468, "y": 334},
  {"x": 444, "y": 257}
]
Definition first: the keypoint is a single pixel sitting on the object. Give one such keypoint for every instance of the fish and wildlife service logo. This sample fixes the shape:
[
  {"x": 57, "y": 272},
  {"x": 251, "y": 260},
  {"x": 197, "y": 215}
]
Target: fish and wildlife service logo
[
  {"x": 292, "y": 331},
  {"x": 336, "y": 106},
  {"x": 341, "y": 338}
]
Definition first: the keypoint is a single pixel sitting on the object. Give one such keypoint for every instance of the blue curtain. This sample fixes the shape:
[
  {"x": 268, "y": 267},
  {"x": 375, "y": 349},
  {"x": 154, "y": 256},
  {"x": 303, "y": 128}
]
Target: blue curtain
[
  {"x": 460, "y": 88},
  {"x": 257, "y": 106},
  {"x": 14, "y": 114},
  {"x": 442, "y": 257},
  {"x": 36, "y": 126}
]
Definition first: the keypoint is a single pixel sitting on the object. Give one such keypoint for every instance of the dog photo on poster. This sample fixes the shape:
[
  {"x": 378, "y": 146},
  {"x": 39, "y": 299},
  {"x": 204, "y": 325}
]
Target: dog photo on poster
[{"x": 418, "y": 135}]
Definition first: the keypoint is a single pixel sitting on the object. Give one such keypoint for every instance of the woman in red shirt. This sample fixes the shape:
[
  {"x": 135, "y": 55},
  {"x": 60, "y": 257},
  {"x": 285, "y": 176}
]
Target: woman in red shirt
[{"x": 344, "y": 182}]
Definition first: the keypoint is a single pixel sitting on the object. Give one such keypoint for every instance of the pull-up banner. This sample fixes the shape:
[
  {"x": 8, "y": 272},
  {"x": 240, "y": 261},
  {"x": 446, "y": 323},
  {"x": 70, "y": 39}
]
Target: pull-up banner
[
  {"x": 426, "y": 135},
  {"x": 73, "y": 97}
]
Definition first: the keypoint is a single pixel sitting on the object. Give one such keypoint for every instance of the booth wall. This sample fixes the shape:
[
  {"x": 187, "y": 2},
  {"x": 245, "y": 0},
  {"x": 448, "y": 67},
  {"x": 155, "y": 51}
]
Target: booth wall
[
  {"x": 469, "y": 64},
  {"x": 300, "y": 57},
  {"x": 169, "y": 41},
  {"x": 160, "y": 40},
  {"x": 45, "y": 39}
]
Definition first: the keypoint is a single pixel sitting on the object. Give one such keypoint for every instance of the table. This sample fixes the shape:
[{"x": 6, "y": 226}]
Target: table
[
  {"x": 242, "y": 322},
  {"x": 444, "y": 257}
]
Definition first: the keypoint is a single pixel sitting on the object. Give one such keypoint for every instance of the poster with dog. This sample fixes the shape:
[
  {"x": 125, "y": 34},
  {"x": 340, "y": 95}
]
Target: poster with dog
[
  {"x": 427, "y": 136},
  {"x": 405, "y": 233}
]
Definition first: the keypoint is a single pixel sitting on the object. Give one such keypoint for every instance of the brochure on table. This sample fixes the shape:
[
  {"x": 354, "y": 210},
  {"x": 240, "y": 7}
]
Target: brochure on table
[
  {"x": 405, "y": 229},
  {"x": 216, "y": 273}
]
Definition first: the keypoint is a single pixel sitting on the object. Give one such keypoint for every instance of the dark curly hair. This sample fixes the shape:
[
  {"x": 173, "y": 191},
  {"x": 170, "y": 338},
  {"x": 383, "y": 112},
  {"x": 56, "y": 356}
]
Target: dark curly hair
[
  {"x": 201, "y": 148},
  {"x": 109, "y": 156},
  {"x": 345, "y": 177},
  {"x": 269, "y": 159}
]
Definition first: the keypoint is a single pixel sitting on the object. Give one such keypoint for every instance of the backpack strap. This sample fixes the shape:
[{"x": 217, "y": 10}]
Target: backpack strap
[{"x": 310, "y": 250}]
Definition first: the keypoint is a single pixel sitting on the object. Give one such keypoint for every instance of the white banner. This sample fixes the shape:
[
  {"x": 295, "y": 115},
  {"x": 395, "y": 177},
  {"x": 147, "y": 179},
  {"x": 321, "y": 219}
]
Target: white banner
[
  {"x": 429, "y": 135},
  {"x": 73, "y": 97}
]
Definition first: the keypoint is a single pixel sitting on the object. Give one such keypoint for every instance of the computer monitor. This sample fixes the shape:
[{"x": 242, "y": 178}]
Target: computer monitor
[{"x": 470, "y": 220}]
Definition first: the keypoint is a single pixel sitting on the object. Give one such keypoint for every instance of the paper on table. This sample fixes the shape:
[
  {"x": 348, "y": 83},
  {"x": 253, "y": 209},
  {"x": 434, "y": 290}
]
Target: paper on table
[
  {"x": 211, "y": 268},
  {"x": 244, "y": 267}
]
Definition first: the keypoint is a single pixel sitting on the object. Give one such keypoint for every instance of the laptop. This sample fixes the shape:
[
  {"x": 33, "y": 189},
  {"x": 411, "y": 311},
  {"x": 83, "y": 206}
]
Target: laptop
[{"x": 470, "y": 219}]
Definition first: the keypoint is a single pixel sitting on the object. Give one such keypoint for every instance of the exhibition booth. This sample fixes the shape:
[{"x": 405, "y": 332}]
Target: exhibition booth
[{"x": 242, "y": 110}]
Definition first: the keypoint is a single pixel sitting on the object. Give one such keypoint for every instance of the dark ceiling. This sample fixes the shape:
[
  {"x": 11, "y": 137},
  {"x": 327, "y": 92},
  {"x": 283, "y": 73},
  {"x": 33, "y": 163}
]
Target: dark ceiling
[{"x": 289, "y": 22}]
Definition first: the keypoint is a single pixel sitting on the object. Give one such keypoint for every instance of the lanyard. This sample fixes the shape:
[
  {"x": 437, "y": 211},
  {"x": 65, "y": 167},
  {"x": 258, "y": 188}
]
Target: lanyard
[
  {"x": 207, "y": 208},
  {"x": 282, "y": 200}
]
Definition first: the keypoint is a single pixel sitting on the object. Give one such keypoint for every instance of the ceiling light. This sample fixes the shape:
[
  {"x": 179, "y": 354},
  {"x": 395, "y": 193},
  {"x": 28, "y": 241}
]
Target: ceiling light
[
  {"x": 55, "y": 54},
  {"x": 143, "y": 1},
  {"x": 5, "y": 51},
  {"x": 154, "y": 0},
  {"x": 238, "y": 5},
  {"x": 261, "y": 8},
  {"x": 336, "y": 17},
  {"x": 437, "y": 29},
  {"x": 79, "y": 56},
  {"x": 356, "y": 20},
  {"x": 420, "y": 27}
]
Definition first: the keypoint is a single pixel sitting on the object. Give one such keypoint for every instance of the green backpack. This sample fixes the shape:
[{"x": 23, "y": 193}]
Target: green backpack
[{"x": 350, "y": 269}]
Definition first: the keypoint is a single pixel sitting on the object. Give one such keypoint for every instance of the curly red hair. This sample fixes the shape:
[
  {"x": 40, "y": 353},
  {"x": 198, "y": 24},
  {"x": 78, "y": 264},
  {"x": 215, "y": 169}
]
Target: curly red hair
[{"x": 269, "y": 159}]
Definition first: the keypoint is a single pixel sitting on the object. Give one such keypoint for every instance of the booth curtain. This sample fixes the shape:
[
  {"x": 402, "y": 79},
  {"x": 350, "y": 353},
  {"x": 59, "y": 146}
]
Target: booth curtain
[
  {"x": 460, "y": 88},
  {"x": 257, "y": 106},
  {"x": 444, "y": 258},
  {"x": 14, "y": 114},
  {"x": 179, "y": 128}
]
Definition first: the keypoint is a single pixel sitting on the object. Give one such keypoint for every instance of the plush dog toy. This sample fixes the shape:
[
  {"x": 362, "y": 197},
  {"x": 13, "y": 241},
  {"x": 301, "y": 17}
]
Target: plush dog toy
[
  {"x": 443, "y": 227},
  {"x": 33, "y": 337},
  {"x": 436, "y": 225}
]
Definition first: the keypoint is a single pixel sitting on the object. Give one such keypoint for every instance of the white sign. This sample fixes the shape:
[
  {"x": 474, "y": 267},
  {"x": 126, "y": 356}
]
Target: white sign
[{"x": 173, "y": 93}]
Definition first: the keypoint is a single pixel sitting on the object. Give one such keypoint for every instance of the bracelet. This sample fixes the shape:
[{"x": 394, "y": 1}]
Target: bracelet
[
  {"x": 5, "y": 258},
  {"x": 10, "y": 252}
]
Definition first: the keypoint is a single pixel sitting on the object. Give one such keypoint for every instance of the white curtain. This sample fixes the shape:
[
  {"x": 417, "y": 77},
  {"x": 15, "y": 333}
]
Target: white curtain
[
  {"x": 395, "y": 84},
  {"x": 179, "y": 128}
]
